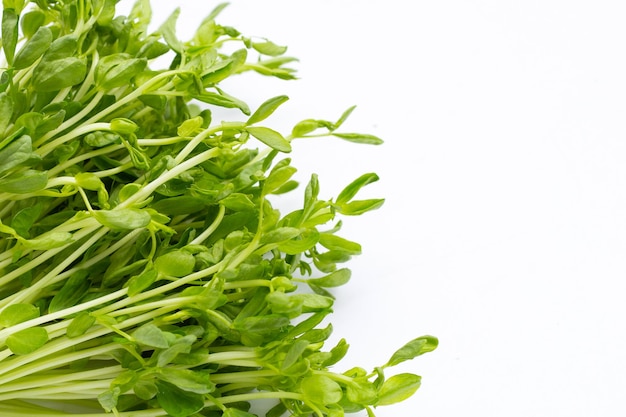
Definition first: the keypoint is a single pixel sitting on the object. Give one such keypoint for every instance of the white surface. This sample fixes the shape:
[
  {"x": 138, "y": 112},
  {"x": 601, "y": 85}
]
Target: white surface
[{"x": 504, "y": 170}]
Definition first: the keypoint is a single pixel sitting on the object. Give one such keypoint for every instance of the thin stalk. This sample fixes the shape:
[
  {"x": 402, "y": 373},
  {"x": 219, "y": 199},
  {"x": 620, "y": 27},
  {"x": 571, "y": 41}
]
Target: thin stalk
[
  {"x": 149, "y": 188},
  {"x": 50, "y": 146},
  {"x": 209, "y": 230},
  {"x": 83, "y": 157},
  {"x": 22, "y": 296},
  {"x": 72, "y": 121},
  {"x": 48, "y": 380}
]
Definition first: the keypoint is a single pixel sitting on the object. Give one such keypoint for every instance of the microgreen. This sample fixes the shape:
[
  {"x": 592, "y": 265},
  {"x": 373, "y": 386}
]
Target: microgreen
[{"x": 144, "y": 270}]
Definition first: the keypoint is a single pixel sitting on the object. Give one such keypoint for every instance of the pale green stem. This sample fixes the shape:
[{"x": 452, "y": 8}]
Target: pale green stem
[
  {"x": 50, "y": 146},
  {"x": 44, "y": 257},
  {"x": 89, "y": 80},
  {"x": 149, "y": 188},
  {"x": 112, "y": 171},
  {"x": 24, "y": 365},
  {"x": 83, "y": 157},
  {"x": 209, "y": 230},
  {"x": 72, "y": 121},
  {"x": 61, "y": 95},
  {"x": 247, "y": 284},
  {"x": 57, "y": 391}
]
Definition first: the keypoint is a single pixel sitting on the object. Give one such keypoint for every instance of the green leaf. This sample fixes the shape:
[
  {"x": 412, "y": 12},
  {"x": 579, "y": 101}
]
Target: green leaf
[
  {"x": 320, "y": 389},
  {"x": 280, "y": 234},
  {"x": 27, "y": 341},
  {"x": 107, "y": 12},
  {"x": 266, "y": 109},
  {"x": 216, "y": 11},
  {"x": 353, "y": 188},
  {"x": 138, "y": 283},
  {"x": 295, "y": 353},
  {"x": 334, "y": 279},
  {"x": 360, "y": 138},
  {"x": 270, "y": 137},
  {"x": 168, "y": 31},
  {"x": 108, "y": 399},
  {"x": 122, "y": 125},
  {"x": 48, "y": 240},
  {"x": 9, "y": 33},
  {"x": 123, "y": 218},
  {"x": 24, "y": 182},
  {"x": 145, "y": 390},
  {"x": 278, "y": 410},
  {"x": 344, "y": 117},
  {"x": 176, "y": 402},
  {"x": 398, "y": 388},
  {"x": 140, "y": 14},
  {"x": 188, "y": 380},
  {"x": 318, "y": 335},
  {"x": 117, "y": 70},
  {"x": 100, "y": 139},
  {"x": 166, "y": 356},
  {"x": 333, "y": 242},
  {"x": 358, "y": 207},
  {"x": 6, "y": 113},
  {"x": 72, "y": 291},
  {"x": 18, "y": 153},
  {"x": 190, "y": 127},
  {"x": 362, "y": 392},
  {"x": 176, "y": 263},
  {"x": 269, "y": 48},
  {"x": 62, "y": 47},
  {"x": 277, "y": 178},
  {"x": 59, "y": 67},
  {"x": 17, "y": 5},
  {"x": 28, "y": 122},
  {"x": 224, "y": 68},
  {"x": 58, "y": 74},
  {"x": 305, "y": 127},
  {"x": 303, "y": 242},
  {"x": 307, "y": 324},
  {"x": 31, "y": 22},
  {"x": 223, "y": 100},
  {"x": 337, "y": 353},
  {"x": 18, "y": 313},
  {"x": 238, "y": 202},
  {"x": 415, "y": 347},
  {"x": 88, "y": 181},
  {"x": 151, "y": 336},
  {"x": 34, "y": 48},
  {"x": 80, "y": 324},
  {"x": 256, "y": 330},
  {"x": 235, "y": 412},
  {"x": 180, "y": 205}
]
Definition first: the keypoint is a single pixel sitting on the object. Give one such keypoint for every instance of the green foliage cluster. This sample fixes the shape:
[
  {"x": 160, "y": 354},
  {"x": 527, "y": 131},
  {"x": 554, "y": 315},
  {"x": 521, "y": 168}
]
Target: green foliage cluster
[{"x": 143, "y": 268}]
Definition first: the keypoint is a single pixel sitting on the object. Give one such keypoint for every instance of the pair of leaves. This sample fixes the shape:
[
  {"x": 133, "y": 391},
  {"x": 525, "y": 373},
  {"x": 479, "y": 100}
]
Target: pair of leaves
[
  {"x": 117, "y": 70},
  {"x": 345, "y": 204},
  {"x": 27, "y": 340},
  {"x": 19, "y": 153},
  {"x": 60, "y": 67},
  {"x": 307, "y": 127}
]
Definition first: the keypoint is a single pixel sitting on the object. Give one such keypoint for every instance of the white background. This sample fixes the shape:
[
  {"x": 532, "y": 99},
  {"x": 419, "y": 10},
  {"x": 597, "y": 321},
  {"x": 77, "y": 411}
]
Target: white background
[{"x": 504, "y": 227}]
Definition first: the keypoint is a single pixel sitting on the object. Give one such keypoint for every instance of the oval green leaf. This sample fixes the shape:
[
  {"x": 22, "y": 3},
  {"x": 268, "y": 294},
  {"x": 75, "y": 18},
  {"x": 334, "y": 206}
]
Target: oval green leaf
[
  {"x": 123, "y": 218},
  {"x": 18, "y": 313},
  {"x": 27, "y": 341},
  {"x": 321, "y": 389},
  {"x": 398, "y": 388},
  {"x": 266, "y": 109},
  {"x": 415, "y": 347},
  {"x": 270, "y": 137}
]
